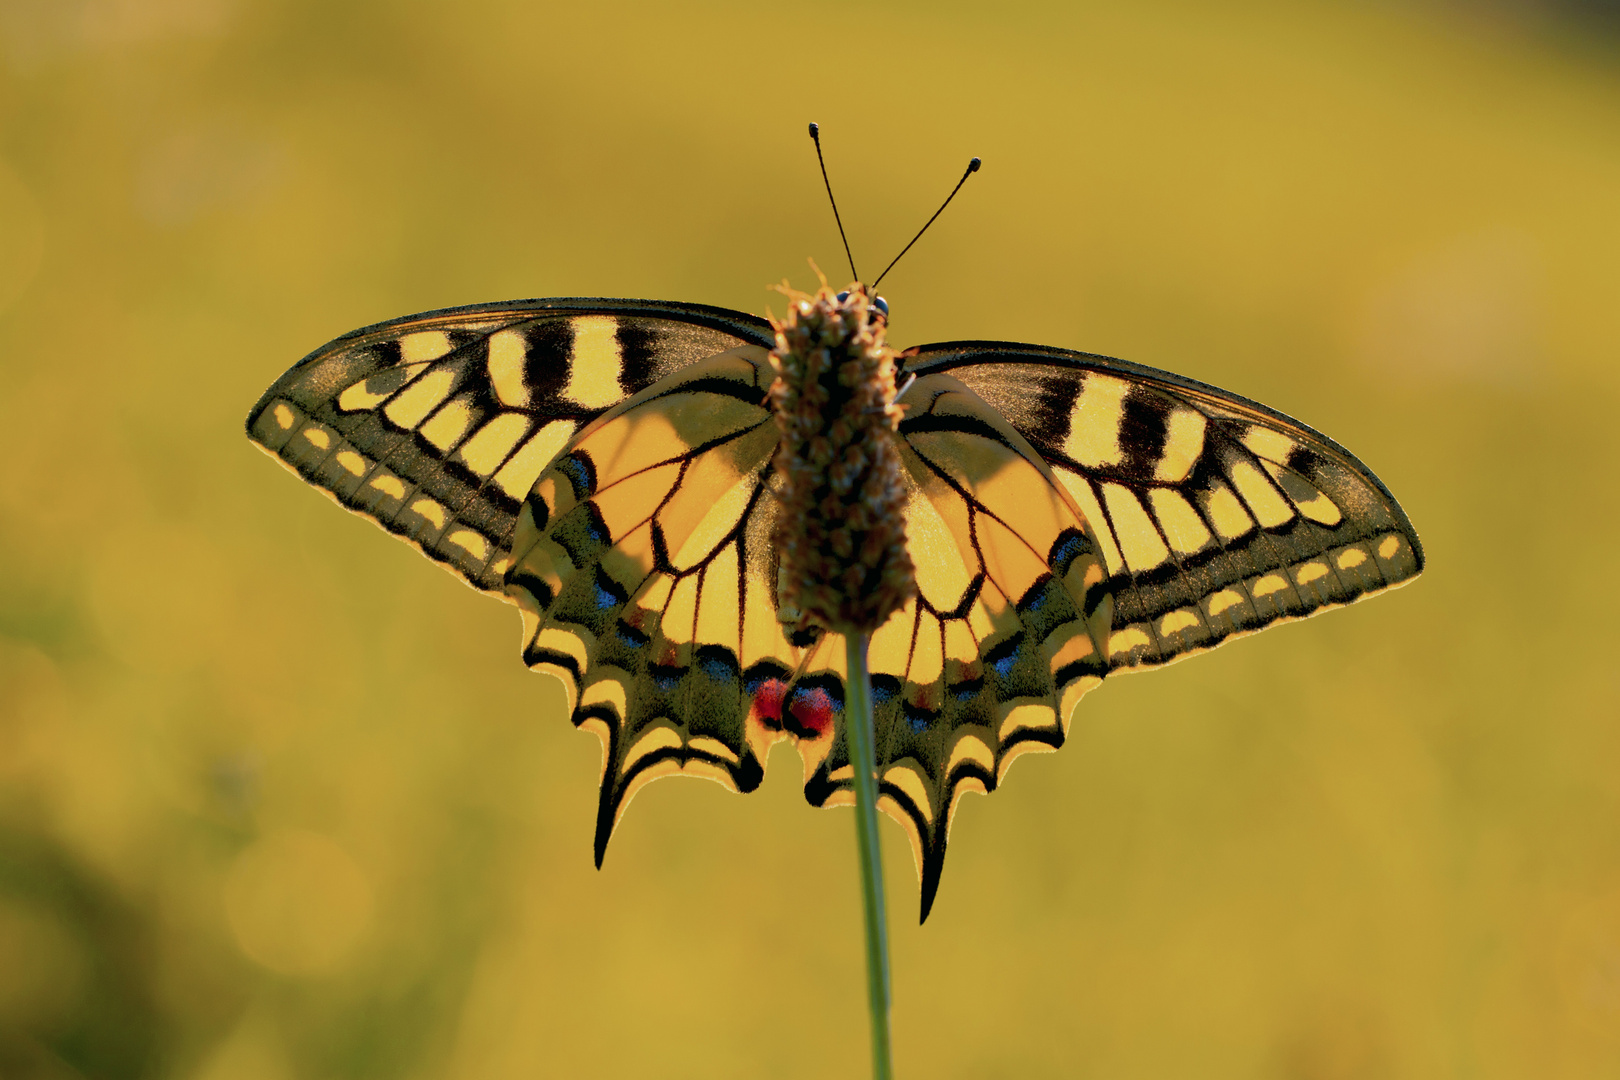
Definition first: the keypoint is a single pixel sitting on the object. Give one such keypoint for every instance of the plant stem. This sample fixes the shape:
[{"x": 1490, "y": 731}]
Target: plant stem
[{"x": 858, "y": 734}]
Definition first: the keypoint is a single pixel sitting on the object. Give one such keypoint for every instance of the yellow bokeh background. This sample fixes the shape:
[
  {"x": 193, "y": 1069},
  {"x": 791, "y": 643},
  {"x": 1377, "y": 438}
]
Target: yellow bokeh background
[{"x": 278, "y": 799}]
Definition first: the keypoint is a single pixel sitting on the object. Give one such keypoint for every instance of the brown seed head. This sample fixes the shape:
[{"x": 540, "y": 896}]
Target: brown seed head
[{"x": 841, "y": 531}]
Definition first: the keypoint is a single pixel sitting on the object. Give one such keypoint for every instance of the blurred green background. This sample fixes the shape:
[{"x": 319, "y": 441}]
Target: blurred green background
[{"x": 278, "y": 799}]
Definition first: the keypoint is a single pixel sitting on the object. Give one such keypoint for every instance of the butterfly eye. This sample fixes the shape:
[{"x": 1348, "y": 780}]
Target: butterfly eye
[{"x": 878, "y": 310}]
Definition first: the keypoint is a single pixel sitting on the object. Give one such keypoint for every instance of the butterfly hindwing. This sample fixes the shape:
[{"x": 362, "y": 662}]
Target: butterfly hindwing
[
  {"x": 1215, "y": 516},
  {"x": 1007, "y": 631},
  {"x": 647, "y": 583},
  {"x": 435, "y": 426}
]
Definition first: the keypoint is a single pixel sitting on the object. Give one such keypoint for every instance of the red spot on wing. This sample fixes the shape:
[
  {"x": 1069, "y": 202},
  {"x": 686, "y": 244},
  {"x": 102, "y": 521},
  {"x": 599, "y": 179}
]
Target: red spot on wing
[
  {"x": 813, "y": 709},
  {"x": 809, "y": 711},
  {"x": 768, "y": 700}
]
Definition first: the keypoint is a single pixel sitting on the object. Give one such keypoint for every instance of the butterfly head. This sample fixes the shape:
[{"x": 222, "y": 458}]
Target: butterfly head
[{"x": 877, "y": 311}]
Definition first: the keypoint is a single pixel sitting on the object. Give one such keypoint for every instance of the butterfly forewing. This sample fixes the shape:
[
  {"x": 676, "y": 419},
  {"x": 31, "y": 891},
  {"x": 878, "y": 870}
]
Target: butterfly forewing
[
  {"x": 436, "y": 426},
  {"x": 1215, "y": 516}
]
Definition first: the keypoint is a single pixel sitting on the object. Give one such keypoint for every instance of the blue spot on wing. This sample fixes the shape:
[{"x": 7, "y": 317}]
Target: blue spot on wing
[
  {"x": 1004, "y": 657},
  {"x": 581, "y": 476},
  {"x": 718, "y": 663},
  {"x": 917, "y": 719},
  {"x": 1065, "y": 549},
  {"x": 609, "y": 594}
]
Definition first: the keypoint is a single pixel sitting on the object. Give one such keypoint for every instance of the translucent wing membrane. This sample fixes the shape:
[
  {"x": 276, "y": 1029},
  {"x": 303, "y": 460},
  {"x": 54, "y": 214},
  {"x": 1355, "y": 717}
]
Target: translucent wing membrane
[
  {"x": 606, "y": 465},
  {"x": 435, "y": 426},
  {"x": 1215, "y": 516}
]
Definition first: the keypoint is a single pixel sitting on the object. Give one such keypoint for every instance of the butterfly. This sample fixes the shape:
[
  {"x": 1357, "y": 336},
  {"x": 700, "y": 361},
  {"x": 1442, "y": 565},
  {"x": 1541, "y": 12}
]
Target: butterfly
[{"x": 605, "y": 465}]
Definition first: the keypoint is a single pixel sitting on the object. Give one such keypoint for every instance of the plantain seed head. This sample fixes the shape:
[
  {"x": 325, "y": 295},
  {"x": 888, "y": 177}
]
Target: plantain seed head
[{"x": 841, "y": 528}]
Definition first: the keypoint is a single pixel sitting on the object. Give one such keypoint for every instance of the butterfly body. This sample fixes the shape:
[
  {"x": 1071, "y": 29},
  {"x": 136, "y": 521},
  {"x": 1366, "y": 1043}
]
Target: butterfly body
[{"x": 607, "y": 466}]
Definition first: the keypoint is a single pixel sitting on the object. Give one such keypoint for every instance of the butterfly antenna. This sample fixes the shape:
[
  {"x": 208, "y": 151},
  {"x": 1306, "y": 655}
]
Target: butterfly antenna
[
  {"x": 815, "y": 137},
  {"x": 973, "y": 167}
]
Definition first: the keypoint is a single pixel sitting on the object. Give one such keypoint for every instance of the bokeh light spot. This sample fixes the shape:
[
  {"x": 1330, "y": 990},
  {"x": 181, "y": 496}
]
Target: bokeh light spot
[{"x": 297, "y": 903}]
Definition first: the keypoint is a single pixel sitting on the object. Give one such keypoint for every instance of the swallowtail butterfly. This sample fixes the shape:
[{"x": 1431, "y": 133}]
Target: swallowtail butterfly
[{"x": 605, "y": 465}]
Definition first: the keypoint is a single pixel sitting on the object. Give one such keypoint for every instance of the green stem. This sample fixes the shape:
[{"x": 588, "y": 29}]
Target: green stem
[{"x": 858, "y": 733}]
